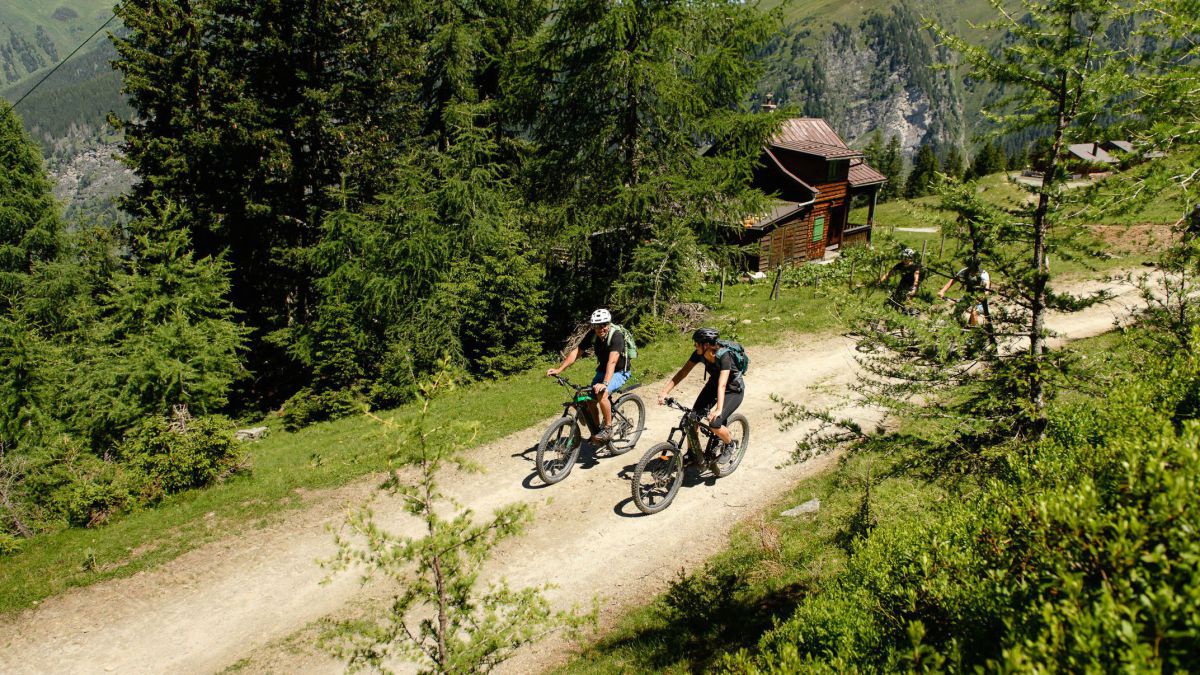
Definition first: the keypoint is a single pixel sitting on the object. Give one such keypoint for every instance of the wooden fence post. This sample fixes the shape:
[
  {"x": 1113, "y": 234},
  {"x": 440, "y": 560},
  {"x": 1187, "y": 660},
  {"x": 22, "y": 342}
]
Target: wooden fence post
[
  {"x": 778, "y": 278},
  {"x": 721, "y": 295},
  {"x": 924, "y": 245},
  {"x": 850, "y": 282},
  {"x": 942, "y": 246}
]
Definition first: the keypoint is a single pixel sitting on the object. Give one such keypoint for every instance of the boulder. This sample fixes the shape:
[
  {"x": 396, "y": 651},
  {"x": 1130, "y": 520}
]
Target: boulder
[
  {"x": 809, "y": 507},
  {"x": 252, "y": 434}
]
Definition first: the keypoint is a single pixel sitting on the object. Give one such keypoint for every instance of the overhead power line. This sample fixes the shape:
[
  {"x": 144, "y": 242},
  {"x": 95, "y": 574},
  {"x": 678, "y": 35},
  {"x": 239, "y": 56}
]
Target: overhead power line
[{"x": 68, "y": 58}]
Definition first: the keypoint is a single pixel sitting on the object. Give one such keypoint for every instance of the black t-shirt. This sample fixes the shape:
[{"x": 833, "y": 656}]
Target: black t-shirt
[
  {"x": 725, "y": 362},
  {"x": 908, "y": 276},
  {"x": 613, "y": 342}
]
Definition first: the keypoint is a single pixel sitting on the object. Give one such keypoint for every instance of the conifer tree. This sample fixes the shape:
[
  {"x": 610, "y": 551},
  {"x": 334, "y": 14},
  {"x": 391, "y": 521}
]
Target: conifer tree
[
  {"x": 30, "y": 224},
  {"x": 440, "y": 617},
  {"x": 920, "y": 179},
  {"x": 953, "y": 164},
  {"x": 620, "y": 95},
  {"x": 891, "y": 164},
  {"x": 1062, "y": 77},
  {"x": 30, "y": 232},
  {"x": 248, "y": 114},
  {"x": 166, "y": 334}
]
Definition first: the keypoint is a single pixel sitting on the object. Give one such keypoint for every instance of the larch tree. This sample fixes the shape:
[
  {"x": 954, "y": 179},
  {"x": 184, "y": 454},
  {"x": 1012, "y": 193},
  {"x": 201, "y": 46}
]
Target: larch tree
[{"x": 1060, "y": 76}]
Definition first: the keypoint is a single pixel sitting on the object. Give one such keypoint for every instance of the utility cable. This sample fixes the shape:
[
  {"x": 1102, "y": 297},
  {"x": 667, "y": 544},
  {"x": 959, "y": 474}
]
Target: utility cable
[{"x": 68, "y": 58}]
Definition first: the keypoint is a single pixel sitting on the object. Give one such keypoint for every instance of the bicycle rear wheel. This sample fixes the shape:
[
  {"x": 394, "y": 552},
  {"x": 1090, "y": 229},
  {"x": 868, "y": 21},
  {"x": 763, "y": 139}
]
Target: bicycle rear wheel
[
  {"x": 628, "y": 421},
  {"x": 657, "y": 478},
  {"x": 739, "y": 430},
  {"x": 557, "y": 450}
]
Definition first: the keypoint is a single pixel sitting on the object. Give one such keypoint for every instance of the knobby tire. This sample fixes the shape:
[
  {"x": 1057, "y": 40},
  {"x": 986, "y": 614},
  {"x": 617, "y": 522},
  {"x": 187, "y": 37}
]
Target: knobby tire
[
  {"x": 661, "y": 469},
  {"x": 558, "y": 449},
  {"x": 739, "y": 429},
  {"x": 629, "y": 420}
]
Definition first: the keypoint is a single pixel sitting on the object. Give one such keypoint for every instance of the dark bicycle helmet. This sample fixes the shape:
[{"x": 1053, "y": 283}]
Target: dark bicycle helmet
[{"x": 705, "y": 336}]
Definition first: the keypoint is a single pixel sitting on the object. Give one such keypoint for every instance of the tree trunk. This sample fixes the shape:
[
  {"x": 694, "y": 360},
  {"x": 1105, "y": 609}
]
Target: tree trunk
[{"x": 1041, "y": 279}]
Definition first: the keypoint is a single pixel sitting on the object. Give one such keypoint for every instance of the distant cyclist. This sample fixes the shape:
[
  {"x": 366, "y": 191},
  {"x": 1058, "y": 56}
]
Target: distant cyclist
[
  {"x": 722, "y": 393},
  {"x": 612, "y": 365},
  {"x": 909, "y": 273},
  {"x": 976, "y": 283}
]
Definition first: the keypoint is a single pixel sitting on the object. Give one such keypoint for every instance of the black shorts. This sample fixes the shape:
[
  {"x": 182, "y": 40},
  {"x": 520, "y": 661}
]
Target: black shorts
[{"x": 708, "y": 397}]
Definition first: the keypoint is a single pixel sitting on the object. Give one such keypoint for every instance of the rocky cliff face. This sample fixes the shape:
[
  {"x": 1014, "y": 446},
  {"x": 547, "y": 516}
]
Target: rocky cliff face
[
  {"x": 88, "y": 184},
  {"x": 877, "y": 75}
]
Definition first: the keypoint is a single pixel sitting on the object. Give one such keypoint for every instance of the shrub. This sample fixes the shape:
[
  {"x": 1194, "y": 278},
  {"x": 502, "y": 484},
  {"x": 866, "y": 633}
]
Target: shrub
[
  {"x": 171, "y": 457},
  {"x": 308, "y": 407}
]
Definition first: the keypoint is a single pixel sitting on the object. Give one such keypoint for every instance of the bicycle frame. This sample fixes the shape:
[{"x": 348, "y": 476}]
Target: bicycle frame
[
  {"x": 690, "y": 427},
  {"x": 581, "y": 396}
]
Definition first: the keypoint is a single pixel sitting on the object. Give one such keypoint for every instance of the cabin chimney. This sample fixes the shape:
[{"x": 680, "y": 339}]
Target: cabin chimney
[{"x": 769, "y": 105}]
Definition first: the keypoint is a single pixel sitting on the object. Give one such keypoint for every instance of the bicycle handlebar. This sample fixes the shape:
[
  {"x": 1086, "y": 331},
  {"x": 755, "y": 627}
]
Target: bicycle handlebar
[{"x": 672, "y": 403}]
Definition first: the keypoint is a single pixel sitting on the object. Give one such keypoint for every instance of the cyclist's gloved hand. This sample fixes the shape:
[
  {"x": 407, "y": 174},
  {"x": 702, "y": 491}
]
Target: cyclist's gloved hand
[
  {"x": 662, "y": 399},
  {"x": 599, "y": 387},
  {"x": 552, "y": 372}
]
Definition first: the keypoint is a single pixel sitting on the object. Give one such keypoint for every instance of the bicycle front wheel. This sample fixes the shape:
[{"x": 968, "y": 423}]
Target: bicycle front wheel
[
  {"x": 657, "y": 478},
  {"x": 629, "y": 420},
  {"x": 558, "y": 450},
  {"x": 739, "y": 430}
]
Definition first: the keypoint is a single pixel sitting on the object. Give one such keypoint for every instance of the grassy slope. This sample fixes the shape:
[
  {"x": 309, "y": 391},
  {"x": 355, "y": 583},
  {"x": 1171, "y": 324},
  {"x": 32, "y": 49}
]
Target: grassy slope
[
  {"x": 893, "y": 217},
  {"x": 24, "y": 16},
  {"x": 777, "y": 561},
  {"x": 823, "y": 13}
]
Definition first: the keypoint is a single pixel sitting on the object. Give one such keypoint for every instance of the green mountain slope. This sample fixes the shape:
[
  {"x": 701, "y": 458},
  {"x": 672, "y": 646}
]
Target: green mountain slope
[{"x": 36, "y": 34}]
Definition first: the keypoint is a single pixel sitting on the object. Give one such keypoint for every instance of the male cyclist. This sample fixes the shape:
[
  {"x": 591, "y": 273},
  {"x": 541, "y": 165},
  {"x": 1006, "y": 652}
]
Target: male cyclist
[
  {"x": 910, "y": 278},
  {"x": 976, "y": 284},
  {"x": 612, "y": 366},
  {"x": 722, "y": 393}
]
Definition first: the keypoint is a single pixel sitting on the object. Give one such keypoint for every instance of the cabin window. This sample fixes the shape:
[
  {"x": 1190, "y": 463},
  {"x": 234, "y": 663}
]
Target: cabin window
[{"x": 819, "y": 228}]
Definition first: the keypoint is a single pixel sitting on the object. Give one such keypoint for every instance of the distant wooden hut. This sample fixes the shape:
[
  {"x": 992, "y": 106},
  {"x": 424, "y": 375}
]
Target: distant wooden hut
[{"x": 814, "y": 176}]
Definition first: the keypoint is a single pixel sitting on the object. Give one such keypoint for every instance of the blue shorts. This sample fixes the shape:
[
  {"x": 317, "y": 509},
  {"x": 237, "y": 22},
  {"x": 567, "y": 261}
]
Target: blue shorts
[{"x": 618, "y": 380}]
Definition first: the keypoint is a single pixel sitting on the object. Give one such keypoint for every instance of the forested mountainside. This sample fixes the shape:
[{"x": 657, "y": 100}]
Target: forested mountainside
[{"x": 36, "y": 34}]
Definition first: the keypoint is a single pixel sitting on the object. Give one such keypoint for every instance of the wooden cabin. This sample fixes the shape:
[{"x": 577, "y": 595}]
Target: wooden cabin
[{"x": 813, "y": 175}]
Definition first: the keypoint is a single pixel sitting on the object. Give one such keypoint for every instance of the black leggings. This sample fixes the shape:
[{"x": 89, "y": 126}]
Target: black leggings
[{"x": 708, "y": 397}]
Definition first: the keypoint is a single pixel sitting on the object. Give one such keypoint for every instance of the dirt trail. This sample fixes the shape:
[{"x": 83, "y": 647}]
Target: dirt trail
[{"x": 242, "y": 598}]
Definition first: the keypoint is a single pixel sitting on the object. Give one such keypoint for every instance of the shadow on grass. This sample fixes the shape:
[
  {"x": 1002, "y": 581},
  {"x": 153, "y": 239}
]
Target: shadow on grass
[{"x": 702, "y": 617}]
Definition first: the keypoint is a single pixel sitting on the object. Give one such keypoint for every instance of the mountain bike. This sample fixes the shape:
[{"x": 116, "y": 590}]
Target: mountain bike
[
  {"x": 559, "y": 447},
  {"x": 659, "y": 474}
]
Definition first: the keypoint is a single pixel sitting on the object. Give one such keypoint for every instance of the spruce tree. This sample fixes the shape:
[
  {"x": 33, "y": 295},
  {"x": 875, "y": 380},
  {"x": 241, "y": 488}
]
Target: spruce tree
[
  {"x": 248, "y": 115},
  {"x": 30, "y": 232},
  {"x": 953, "y": 164},
  {"x": 920, "y": 179},
  {"x": 30, "y": 224},
  {"x": 891, "y": 165},
  {"x": 619, "y": 97},
  {"x": 166, "y": 334}
]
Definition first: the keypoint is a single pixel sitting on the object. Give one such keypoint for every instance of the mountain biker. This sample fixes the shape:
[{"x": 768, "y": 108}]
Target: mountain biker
[
  {"x": 722, "y": 393},
  {"x": 910, "y": 278},
  {"x": 976, "y": 283},
  {"x": 612, "y": 366}
]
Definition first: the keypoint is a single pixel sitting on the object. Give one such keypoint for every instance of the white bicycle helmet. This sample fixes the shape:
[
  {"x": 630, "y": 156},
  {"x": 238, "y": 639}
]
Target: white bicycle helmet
[{"x": 601, "y": 316}]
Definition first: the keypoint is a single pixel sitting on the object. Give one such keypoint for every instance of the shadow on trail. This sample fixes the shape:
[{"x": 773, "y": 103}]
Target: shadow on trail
[{"x": 627, "y": 509}]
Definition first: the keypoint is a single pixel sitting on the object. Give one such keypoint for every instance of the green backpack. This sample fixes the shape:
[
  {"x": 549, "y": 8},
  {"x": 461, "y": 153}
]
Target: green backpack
[
  {"x": 740, "y": 358},
  {"x": 630, "y": 345}
]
